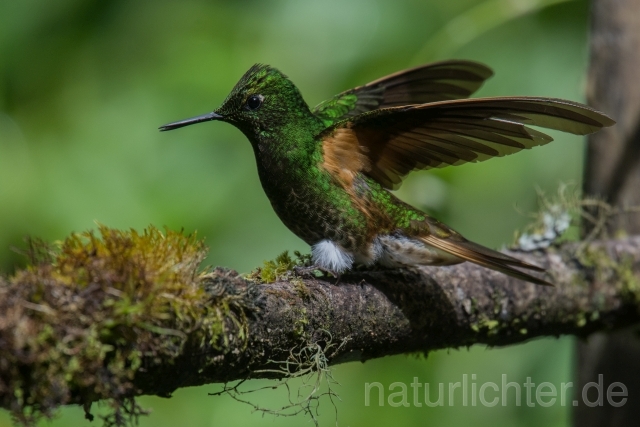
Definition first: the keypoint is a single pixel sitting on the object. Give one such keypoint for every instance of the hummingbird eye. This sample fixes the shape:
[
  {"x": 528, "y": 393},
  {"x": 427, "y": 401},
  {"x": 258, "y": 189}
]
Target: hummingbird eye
[{"x": 254, "y": 102}]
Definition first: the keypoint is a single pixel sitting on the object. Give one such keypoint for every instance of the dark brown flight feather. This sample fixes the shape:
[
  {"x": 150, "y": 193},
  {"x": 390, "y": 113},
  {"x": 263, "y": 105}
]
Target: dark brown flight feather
[
  {"x": 398, "y": 140},
  {"x": 439, "y": 81}
]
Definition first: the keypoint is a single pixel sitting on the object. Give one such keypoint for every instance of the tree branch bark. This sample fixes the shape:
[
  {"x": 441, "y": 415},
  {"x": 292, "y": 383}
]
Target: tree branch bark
[{"x": 371, "y": 314}]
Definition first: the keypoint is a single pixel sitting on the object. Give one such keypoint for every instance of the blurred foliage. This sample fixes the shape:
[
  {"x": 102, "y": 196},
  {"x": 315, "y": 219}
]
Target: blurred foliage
[{"x": 85, "y": 84}]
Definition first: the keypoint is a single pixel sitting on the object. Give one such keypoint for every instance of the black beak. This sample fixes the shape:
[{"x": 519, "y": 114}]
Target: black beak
[{"x": 191, "y": 121}]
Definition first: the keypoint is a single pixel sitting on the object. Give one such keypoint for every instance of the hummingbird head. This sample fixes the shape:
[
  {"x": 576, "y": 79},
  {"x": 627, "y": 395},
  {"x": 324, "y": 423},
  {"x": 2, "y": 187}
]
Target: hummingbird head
[{"x": 261, "y": 103}]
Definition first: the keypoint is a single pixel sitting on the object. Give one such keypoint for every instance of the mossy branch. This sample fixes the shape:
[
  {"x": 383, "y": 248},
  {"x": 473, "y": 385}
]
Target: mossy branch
[{"x": 125, "y": 314}]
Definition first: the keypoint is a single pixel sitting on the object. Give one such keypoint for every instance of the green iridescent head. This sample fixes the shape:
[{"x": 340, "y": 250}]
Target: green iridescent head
[{"x": 262, "y": 101}]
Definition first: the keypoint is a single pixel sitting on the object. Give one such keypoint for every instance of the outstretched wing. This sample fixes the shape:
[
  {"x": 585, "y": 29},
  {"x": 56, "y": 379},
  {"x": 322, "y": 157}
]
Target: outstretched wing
[
  {"x": 391, "y": 142},
  {"x": 434, "y": 82}
]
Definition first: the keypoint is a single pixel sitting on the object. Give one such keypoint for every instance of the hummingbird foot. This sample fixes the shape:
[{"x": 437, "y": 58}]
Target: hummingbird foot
[{"x": 309, "y": 271}]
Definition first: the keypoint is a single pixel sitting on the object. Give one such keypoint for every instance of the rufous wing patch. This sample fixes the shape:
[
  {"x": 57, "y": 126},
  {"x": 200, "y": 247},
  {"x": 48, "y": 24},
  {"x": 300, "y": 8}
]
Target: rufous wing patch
[{"x": 344, "y": 156}]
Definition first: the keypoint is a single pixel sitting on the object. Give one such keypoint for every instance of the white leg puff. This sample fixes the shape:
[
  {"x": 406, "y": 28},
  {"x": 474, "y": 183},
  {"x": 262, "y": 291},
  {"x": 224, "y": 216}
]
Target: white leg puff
[{"x": 330, "y": 256}]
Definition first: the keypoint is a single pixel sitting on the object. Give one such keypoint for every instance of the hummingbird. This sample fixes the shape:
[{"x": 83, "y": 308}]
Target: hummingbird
[{"x": 328, "y": 171}]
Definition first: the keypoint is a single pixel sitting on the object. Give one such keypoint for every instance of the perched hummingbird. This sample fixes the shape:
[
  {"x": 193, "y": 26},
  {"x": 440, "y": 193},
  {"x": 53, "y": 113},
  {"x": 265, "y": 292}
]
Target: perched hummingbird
[{"x": 328, "y": 170}]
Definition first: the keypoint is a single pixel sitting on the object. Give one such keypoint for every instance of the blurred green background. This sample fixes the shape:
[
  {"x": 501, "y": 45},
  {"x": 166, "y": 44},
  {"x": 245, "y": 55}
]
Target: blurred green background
[{"x": 85, "y": 84}]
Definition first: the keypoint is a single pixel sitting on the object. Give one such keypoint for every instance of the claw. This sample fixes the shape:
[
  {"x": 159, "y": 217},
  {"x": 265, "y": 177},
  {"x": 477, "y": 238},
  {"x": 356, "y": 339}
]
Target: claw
[{"x": 308, "y": 271}]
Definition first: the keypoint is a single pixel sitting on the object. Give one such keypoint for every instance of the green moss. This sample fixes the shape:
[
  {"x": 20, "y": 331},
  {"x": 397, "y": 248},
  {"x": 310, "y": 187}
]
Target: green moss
[
  {"x": 607, "y": 269},
  {"x": 301, "y": 289},
  {"x": 273, "y": 270},
  {"x": 597, "y": 260},
  {"x": 488, "y": 326},
  {"x": 95, "y": 306},
  {"x": 629, "y": 283},
  {"x": 301, "y": 322},
  {"x": 601, "y": 267}
]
